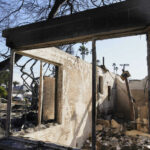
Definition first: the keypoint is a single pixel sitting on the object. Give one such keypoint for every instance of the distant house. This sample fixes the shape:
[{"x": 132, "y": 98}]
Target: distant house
[
  {"x": 18, "y": 97},
  {"x": 20, "y": 92},
  {"x": 19, "y": 89},
  {"x": 3, "y": 85}
]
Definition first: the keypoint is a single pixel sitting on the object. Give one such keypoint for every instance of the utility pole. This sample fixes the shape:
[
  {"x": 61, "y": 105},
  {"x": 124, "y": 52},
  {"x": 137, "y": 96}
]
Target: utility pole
[
  {"x": 103, "y": 61},
  {"x": 116, "y": 69},
  {"x": 114, "y": 66},
  {"x": 124, "y": 65}
]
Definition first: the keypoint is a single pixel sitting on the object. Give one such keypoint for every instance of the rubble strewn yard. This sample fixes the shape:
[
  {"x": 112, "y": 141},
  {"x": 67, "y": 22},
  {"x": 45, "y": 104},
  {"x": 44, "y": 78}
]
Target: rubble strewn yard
[
  {"x": 63, "y": 106},
  {"x": 115, "y": 136}
]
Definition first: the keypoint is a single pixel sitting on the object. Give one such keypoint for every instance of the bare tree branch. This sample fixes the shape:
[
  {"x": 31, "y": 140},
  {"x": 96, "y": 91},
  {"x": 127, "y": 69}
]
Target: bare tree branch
[
  {"x": 12, "y": 12},
  {"x": 55, "y": 8}
]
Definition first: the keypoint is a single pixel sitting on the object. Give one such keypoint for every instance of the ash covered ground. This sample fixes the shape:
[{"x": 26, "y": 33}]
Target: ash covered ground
[
  {"x": 110, "y": 135},
  {"x": 115, "y": 136}
]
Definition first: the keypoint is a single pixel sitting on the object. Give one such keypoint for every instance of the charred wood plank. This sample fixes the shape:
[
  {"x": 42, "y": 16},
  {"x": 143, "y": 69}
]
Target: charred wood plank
[
  {"x": 14, "y": 143},
  {"x": 148, "y": 66},
  {"x": 93, "y": 95},
  {"x": 10, "y": 90}
]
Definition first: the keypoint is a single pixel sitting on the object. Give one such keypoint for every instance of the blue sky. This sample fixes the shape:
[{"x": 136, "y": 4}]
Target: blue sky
[{"x": 131, "y": 50}]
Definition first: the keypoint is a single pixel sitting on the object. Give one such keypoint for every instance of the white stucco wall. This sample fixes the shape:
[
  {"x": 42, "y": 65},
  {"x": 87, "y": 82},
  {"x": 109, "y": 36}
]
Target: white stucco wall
[{"x": 76, "y": 98}]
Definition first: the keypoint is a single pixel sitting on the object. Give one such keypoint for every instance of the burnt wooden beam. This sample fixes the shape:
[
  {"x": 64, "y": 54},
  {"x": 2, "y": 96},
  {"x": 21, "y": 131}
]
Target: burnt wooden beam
[
  {"x": 18, "y": 143},
  {"x": 126, "y": 18},
  {"x": 56, "y": 93},
  {"x": 10, "y": 91},
  {"x": 148, "y": 66},
  {"x": 94, "y": 94}
]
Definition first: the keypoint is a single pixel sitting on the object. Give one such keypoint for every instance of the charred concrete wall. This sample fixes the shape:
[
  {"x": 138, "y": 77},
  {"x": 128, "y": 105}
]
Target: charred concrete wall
[
  {"x": 75, "y": 97},
  {"x": 118, "y": 104},
  {"x": 122, "y": 101},
  {"x": 140, "y": 94},
  {"x": 75, "y": 92},
  {"x": 75, "y": 105},
  {"x": 107, "y": 94}
]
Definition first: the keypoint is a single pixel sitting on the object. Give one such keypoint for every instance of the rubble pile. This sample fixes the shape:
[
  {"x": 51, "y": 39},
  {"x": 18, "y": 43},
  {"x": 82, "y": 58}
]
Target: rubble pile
[
  {"x": 23, "y": 119},
  {"x": 22, "y": 116},
  {"x": 113, "y": 136}
]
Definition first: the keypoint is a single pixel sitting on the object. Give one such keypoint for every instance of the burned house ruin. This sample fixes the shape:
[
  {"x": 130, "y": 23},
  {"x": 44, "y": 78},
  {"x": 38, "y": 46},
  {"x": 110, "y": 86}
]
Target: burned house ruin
[{"x": 80, "y": 86}]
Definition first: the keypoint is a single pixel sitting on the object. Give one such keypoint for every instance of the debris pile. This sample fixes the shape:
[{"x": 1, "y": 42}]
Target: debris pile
[
  {"x": 111, "y": 135},
  {"x": 22, "y": 117}
]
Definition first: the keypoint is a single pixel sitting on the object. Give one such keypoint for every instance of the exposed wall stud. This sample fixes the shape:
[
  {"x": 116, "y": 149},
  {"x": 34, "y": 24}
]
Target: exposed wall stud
[
  {"x": 10, "y": 90},
  {"x": 56, "y": 93},
  {"x": 93, "y": 94},
  {"x": 148, "y": 66},
  {"x": 40, "y": 102}
]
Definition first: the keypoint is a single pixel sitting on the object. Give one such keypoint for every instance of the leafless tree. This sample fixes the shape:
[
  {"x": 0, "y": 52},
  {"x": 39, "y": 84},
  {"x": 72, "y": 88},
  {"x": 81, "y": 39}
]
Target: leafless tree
[{"x": 16, "y": 13}]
